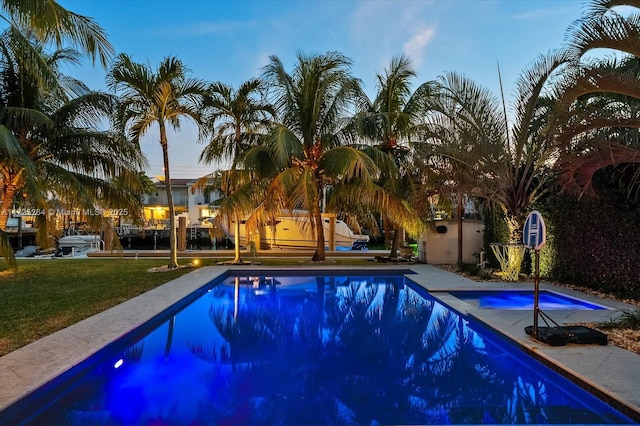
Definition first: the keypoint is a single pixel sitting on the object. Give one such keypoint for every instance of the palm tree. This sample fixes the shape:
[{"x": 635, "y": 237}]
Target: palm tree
[
  {"x": 392, "y": 119},
  {"x": 239, "y": 119},
  {"x": 47, "y": 20},
  {"x": 50, "y": 22},
  {"x": 161, "y": 97},
  {"x": 509, "y": 163},
  {"x": 307, "y": 146},
  {"x": 64, "y": 153},
  {"x": 44, "y": 21},
  {"x": 513, "y": 163},
  {"x": 448, "y": 156},
  {"x": 309, "y": 149},
  {"x": 599, "y": 97}
]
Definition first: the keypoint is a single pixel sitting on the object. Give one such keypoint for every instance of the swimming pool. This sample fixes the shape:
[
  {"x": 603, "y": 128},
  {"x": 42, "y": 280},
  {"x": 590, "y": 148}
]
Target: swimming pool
[
  {"x": 523, "y": 300},
  {"x": 293, "y": 349}
]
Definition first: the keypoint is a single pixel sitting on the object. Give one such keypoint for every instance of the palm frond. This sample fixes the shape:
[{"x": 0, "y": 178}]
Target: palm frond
[
  {"x": 605, "y": 30},
  {"x": 347, "y": 163},
  {"x": 50, "y": 21},
  {"x": 577, "y": 171}
]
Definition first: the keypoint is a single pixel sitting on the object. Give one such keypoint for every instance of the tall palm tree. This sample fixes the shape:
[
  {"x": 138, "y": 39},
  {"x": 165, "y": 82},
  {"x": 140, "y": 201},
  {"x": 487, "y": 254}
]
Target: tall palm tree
[
  {"x": 56, "y": 123},
  {"x": 162, "y": 98},
  {"x": 239, "y": 119},
  {"x": 450, "y": 158},
  {"x": 48, "y": 21},
  {"x": 45, "y": 21},
  {"x": 311, "y": 102},
  {"x": 392, "y": 120},
  {"x": 309, "y": 147}
]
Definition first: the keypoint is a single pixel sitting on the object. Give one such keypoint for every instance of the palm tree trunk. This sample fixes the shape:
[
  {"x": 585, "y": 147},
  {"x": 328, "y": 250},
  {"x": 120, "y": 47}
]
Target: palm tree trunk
[
  {"x": 515, "y": 224},
  {"x": 320, "y": 254},
  {"x": 395, "y": 242},
  {"x": 6, "y": 204},
  {"x": 11, "y": 183},
  {"x": 392, "y": 237},
  {"x": 236, "y": 241},
  {"x": 173, "y": 261}
]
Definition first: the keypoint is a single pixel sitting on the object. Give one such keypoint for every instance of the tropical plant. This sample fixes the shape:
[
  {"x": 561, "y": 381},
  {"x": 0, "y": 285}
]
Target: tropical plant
[
  {"x": 391, "y": 120},
  {"x": 239, "y": 118},
  {"x": 509, "y": 164},
  {"x": 65, "y": 154},
  {"x": 162, "y": 98},
  {"x": 449, "y": 156},
  {"x": 599, "y": 99},
  {"x": 50, "y": 22},
  {"x": 309, "y": 148},
  {"x": 306, "y": 148}
]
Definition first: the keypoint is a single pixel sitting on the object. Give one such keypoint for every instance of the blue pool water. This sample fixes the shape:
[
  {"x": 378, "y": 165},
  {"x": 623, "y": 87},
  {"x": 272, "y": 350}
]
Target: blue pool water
[
  {"x": 325, "y": 350},
  {"x": 523, "y": 300}
]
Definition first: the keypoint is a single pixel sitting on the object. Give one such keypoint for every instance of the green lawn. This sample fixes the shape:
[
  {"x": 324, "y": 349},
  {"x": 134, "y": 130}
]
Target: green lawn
[{"x": 46, "y": 295}]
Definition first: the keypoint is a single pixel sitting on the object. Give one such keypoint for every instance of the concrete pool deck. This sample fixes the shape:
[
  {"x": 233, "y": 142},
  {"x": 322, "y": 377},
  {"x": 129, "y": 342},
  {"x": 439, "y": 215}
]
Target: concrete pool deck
[{"x": 608, "y": 371}]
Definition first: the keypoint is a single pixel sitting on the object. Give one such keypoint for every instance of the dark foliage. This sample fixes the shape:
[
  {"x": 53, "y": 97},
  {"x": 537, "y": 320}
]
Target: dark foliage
[{"x": 597, "y": 241}]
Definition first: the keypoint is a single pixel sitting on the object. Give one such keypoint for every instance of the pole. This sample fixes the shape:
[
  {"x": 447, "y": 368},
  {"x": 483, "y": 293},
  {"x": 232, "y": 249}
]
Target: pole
[{"x": 536, "y": 292}]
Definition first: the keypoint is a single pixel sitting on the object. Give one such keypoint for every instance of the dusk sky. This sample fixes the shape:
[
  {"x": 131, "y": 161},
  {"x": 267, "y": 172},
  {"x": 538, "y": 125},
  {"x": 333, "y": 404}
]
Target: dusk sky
[{"x": 230, "y": 41}]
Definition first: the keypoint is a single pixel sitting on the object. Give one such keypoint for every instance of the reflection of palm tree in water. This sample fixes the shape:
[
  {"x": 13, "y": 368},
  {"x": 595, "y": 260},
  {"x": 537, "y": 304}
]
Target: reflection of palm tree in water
[
  {"x": 167, "y": 347},
  {"x": 361, "y": 354}
]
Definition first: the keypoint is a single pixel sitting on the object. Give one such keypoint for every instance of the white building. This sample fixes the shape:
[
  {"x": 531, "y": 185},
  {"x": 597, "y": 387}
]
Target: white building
[{"x": 192, "y": 203}]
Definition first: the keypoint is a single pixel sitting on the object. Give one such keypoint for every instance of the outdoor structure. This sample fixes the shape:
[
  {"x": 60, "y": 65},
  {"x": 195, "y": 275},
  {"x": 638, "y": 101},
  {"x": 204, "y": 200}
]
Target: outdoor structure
[
  {"x": 189, "y": 202},
  {"x": 21, "y": 231},
  {"x": 439, "y": 245}
]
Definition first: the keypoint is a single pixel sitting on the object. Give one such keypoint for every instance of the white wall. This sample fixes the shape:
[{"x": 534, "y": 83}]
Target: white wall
[
  {"x": 199, "y": 206},
  {"x": 442, "y": 247}
]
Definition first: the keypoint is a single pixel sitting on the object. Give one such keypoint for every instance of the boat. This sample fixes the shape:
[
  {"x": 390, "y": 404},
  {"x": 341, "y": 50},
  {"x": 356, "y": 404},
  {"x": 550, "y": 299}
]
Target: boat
[
  {"x": 294, "y": 231},
  {"x": 79, "y": 242}
]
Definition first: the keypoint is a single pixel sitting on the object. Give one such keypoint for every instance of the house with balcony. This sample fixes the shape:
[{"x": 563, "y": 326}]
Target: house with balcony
[{"x": 192, "y": 203}]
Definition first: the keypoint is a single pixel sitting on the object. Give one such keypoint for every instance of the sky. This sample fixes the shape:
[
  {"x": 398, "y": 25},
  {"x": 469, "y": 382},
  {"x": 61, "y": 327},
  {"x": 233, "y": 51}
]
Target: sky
[{"x": 231, "y": 42}]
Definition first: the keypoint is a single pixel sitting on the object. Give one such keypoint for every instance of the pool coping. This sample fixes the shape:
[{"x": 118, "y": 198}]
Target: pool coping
[{"x": 610, "y": 372}]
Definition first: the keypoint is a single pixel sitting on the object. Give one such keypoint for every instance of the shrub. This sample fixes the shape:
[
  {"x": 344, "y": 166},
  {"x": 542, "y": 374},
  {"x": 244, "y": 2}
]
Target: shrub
[
  {"x": 628, "y": 319},
  {"x": 594, "y": 243}
]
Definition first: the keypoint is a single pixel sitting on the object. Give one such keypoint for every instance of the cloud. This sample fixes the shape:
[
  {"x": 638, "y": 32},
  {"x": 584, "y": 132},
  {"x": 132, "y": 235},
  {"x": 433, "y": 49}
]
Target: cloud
[
  {"x": 544, "y": 13},
  {"x": 206, "y": 28},
  {"x": 414, "y": 47},
  {"x": 381, "y": 29}
]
